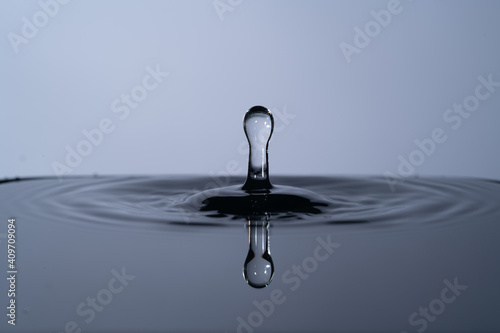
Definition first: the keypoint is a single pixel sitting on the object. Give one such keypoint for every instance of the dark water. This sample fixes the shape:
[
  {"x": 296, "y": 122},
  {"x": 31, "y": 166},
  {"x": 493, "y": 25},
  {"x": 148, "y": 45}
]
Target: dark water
[{"x": 142, "y": 254}]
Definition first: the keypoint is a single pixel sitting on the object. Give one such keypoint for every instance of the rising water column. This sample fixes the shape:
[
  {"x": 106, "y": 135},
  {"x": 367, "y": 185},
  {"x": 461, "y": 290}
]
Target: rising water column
[{"x": 258, "y": 124}]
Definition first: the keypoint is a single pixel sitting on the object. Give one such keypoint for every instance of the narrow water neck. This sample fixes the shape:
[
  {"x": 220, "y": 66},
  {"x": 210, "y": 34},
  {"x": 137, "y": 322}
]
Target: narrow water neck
[{"x": 258, "y": 238}]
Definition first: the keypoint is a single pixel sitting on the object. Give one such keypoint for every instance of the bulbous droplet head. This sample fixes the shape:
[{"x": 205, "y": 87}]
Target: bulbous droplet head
[
  {"x": 258, "y": 124},
  {"x": 258, "y": 272}
]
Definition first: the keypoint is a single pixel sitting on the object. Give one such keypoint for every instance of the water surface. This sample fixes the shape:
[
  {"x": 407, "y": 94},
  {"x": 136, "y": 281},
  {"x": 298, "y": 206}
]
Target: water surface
[{"x": 393, "y": 253}]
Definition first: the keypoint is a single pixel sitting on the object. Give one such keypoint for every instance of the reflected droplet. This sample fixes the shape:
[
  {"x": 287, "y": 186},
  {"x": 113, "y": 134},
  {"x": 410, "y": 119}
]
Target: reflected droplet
[
  {"x": 258, "y": 269},
  {"x": 258, "y": 125}
]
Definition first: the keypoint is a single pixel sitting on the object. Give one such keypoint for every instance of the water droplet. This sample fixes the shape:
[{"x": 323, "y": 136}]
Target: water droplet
[
  {"x": 258, "y": 125},
  {"x": 258, "y": 269}
]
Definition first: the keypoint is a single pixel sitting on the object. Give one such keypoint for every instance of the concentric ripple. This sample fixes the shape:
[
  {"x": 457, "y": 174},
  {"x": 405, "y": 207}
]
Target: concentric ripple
[{"x": 139, "y": 202}]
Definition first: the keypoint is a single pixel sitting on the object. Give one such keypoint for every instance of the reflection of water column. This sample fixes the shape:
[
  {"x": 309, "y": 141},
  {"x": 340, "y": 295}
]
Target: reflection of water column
[{"x": 258, "y": 269}]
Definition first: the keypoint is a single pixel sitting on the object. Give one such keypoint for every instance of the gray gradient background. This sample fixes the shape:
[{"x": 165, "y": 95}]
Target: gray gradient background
[{"x": 350, "y": 118}]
